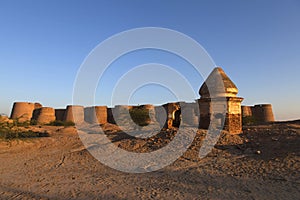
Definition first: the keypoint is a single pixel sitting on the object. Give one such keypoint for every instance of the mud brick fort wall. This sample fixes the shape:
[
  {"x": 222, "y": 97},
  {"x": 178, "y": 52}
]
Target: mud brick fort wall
[{"x": 218, "y": 91}]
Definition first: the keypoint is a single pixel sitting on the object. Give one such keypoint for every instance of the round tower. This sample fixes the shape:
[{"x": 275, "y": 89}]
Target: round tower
[
  {"x": 22, "y": 111},
  {"x": 96, "y": 114},
  {"x": 263, "y": 113},
  {"x": 74, "y": 114},
  {"x": 246, "y": 111},
  {"x": 44, "y": 115}
]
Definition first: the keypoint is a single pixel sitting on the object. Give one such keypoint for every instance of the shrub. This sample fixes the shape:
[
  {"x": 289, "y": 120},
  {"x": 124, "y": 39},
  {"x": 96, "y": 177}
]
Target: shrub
[
  {"x": 249, "y": 120},
  {"x": 10, "y": 131},
  {"x": 33, "y": 122},
  {"x": 140, "y": 116},
  {"x": 61, "y": 123},
  {"x": 17, "y": 134},
  {"x": 21, "y": 124}
]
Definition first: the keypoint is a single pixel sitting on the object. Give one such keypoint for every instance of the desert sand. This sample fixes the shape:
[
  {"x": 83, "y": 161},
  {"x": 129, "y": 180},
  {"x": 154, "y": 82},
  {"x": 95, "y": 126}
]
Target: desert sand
[{"x": 261, "y": 163}]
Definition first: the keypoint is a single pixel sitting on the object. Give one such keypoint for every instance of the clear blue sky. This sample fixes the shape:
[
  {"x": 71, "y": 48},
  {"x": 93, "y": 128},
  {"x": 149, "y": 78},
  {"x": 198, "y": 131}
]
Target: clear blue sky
[{"x": 257, "y": 43}]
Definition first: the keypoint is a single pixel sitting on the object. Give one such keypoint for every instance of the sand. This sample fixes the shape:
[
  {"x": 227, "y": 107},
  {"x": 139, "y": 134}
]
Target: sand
[{"x": 261, "y": 163}]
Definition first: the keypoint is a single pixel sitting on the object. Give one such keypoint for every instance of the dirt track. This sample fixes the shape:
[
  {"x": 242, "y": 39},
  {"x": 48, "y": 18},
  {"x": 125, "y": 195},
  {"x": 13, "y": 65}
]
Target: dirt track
[{"x": 261, "y": 163}]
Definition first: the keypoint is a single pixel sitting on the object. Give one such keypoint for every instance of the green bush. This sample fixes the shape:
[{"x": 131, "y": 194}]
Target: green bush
[
  {"x": 33, "y": 122},
  {"x": 61, "y": 123},
  {"x": 140, "y": 116},
  {"x": 10, "y": 131},
  {"x": 17, "y": 134},
  {"x": 249, "y": 120},
  {"x": 21, "y": 124}
]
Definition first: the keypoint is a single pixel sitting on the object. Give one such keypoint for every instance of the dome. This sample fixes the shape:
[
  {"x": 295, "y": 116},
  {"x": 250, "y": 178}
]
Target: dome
[{"x": 218, "y": 84}]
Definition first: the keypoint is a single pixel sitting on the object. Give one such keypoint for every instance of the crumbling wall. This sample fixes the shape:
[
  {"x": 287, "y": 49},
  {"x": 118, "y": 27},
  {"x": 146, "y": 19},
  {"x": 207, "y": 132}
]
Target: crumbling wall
[
  {"x": 120, "y": 115},
  {"x": 205, "y": 112},
  {"x": 190, "y": 116},
  {"x": 60, "y": 114},
  {"x": 173, "y": 120},
  {"x": 161, "y": 115},
  {"x": 110, "y": 117},
  {"x": 151, "y": 111}
]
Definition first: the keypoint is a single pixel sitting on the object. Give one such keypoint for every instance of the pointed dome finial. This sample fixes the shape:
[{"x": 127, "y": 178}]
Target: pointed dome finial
[{"x": 218, "y": 84}]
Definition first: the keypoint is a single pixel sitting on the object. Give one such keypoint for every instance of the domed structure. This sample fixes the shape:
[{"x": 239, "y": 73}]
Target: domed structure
[
  {"x": 219, "y": 105},
  {"x": 218, "y": 84}
]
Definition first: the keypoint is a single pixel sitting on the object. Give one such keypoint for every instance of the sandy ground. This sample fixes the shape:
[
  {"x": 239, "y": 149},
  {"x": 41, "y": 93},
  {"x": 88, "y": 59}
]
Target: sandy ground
[{"x": 261, "y": 163}]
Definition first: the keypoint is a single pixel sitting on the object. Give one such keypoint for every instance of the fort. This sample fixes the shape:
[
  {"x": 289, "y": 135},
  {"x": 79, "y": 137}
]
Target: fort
[{"x": 218, "y": 98}]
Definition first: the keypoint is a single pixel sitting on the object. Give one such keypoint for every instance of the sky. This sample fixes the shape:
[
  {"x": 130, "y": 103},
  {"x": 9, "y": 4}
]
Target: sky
[{"x": 44, "y": 43}]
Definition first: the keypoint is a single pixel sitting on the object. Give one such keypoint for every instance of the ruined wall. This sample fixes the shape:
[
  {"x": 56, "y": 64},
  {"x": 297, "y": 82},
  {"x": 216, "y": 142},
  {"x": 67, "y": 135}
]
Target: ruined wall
[
  {"x": 95, "y": 114},
  {"x": 110, "y": 118},
  {"x": 161, "y": 115},
  {"x": 173, "y": 118},
  {"x": 152, "y": 112},
  {"x": 205, "y": 112},
  {"x": 119, "y": 115},
  {"x": 44, "y": 115},
  {"x": 74, "y": 114},
  {"x": 59, "y": 114},
  {"x": 190, "y": 116},
  {"x": 263, "y": 113},
  {"x": 23, "y": 110}
]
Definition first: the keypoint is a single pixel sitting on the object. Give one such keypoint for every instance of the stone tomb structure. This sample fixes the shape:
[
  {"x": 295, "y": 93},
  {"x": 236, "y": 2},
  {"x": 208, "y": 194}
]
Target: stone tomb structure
[{"x": 219, "y": 101}]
